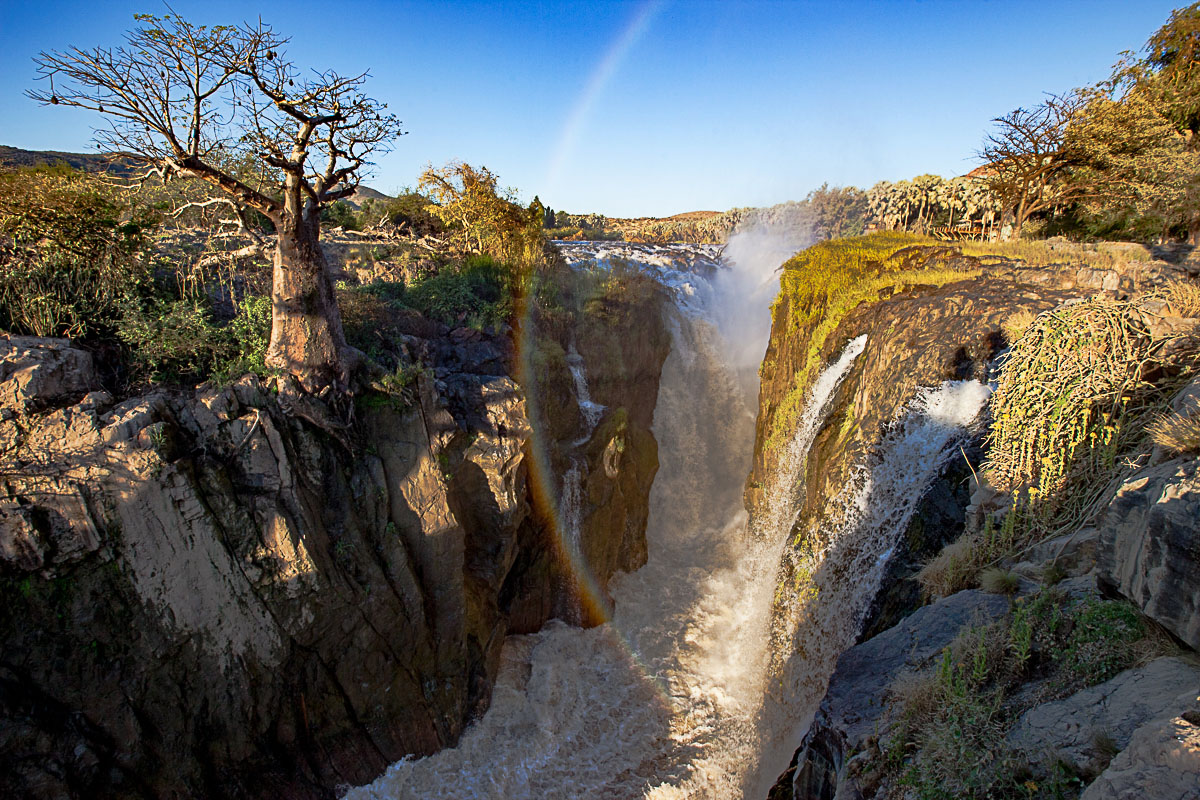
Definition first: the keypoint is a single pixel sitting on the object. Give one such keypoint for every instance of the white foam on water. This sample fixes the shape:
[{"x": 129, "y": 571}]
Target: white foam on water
[
  {"x": 832, "y": 580},
  {"x": 691, "y": 691}
]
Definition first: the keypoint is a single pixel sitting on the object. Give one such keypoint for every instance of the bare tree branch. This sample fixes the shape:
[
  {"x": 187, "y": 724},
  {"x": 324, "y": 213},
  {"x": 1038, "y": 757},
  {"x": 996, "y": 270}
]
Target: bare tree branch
[{"x": 193, "y": 101}]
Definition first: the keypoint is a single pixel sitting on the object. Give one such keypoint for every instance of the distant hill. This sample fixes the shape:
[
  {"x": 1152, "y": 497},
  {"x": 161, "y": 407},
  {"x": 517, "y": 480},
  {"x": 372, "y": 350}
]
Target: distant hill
[
  {"x": 364, "y": 193},
  {"x": 15, "y": 158}
]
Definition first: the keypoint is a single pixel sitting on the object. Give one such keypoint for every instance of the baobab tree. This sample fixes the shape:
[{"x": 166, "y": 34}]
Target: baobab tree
[{"x": 186, "y": 100}]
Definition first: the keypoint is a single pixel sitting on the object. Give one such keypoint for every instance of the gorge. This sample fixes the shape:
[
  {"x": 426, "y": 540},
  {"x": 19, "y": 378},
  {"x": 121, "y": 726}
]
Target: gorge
[{"x": 542, "y": 570}]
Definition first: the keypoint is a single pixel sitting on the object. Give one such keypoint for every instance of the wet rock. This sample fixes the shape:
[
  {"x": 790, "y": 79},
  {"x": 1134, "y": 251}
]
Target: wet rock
[
  {"x": 237, "y": 592},
  {"x": 237, "y": 602}
]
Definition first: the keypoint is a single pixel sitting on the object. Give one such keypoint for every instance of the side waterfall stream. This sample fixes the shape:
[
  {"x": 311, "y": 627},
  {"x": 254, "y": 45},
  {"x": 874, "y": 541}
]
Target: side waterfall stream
[{"x": 692, "y": 690}]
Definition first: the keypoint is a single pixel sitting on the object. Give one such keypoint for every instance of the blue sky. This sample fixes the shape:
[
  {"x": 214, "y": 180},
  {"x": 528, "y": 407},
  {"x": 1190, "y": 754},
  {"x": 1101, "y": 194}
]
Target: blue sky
[{"x": 647, "y": 108}]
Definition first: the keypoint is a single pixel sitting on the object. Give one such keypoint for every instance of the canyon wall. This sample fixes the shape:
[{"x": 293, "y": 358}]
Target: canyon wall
[{"x": 245, "y": 591}]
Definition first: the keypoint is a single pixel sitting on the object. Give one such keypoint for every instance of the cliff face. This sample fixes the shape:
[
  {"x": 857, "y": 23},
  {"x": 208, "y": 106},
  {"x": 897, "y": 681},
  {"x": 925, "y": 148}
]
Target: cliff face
[
  {"x": 231, "y": 592},
  {"x": 937, "y": 315}
]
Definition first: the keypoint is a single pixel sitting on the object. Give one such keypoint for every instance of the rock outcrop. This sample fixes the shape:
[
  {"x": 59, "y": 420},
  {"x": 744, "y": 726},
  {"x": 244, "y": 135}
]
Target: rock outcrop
[
  {"x": 848, "y": 720},
  {"x": 231, "y": 592},
  {"x": 1150, "y": 545},
  {"x": 1142, "y": 546},
  {"x": 1162, "y": 761},
  {"x": 1110, "y": 712}
]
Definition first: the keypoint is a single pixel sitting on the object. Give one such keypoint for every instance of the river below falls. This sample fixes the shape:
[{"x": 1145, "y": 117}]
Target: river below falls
[{"x": 704, "y": 681}]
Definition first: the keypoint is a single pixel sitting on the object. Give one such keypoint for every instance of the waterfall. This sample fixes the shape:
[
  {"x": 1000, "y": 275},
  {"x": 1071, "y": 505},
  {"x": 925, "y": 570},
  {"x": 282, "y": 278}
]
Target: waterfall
[
  {"x": 592, "y": 412},
  {"x": 571, "y": 496},
  {"x": 835, "y": 577},
  {"x": 685, "y": 692}
]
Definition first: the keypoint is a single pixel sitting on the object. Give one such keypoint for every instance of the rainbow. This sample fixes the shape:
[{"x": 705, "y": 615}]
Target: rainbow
[{"x": 599, "y": 79}]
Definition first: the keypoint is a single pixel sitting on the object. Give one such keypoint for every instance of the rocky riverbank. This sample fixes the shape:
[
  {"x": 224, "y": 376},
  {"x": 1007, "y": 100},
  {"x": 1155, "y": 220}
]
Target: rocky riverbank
[{"x": 1040, "y": 712}]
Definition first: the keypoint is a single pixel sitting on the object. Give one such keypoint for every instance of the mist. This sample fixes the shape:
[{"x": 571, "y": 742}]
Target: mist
[{"x": 755, "y": 253}]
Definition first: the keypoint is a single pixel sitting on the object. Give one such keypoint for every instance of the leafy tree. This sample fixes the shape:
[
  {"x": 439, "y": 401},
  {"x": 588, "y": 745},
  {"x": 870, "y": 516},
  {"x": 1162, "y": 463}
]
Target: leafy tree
[
  {"x": 489, "y": 220},
  {"x": 1164, "y": 83},
  {"x": 1130, "y": 159},
  {"x": 184, "y": 99},
  {"x": 340, "y": 214},
  {"x": 838, "y": 211},
  {"x": 1170, "y": 72}
]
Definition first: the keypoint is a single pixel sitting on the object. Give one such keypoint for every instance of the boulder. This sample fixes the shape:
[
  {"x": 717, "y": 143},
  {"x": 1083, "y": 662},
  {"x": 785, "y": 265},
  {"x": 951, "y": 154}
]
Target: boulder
[
  {"x": 1072, "y": 728},
  {"x": 853, "y": 706},
  {"x": 1162, "y": 761},
  {"x": 38, "y": 373},
  {"x": 1150, "y": 545}
]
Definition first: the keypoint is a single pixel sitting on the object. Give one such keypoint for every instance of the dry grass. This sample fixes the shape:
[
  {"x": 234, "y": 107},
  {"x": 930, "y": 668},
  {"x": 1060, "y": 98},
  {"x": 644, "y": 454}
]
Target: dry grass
[
  {"x": 1183, "y": 297},
  {"x": 999, "y": 581},
  {"x": 1037, "y": 253},
  {"x": 1015, "y": 326},
  {"x": 1043, "y": 253},
  {"x": 1177, "y": 432},
  {"x": 961, "y": 564}
]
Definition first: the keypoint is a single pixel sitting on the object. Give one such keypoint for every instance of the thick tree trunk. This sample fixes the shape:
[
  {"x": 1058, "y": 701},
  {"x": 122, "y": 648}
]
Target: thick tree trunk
[
  {"x": 1194, "y": 230},
  {"x": 306, "y": 327}
]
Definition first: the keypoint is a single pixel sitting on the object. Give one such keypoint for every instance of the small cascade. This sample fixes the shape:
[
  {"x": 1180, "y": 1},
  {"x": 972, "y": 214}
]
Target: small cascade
[
  {"x": 592, "y": 412},
  {"x": 833, "y": 577},
  {"x": 571, "y": 497},
  {"x": 781, "y": 508}
]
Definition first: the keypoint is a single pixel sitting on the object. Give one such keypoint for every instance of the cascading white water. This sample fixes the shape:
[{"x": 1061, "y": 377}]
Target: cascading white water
[
  {"x": 837, "y": 575},
  {"x": 571, "y": 499},
  {"x": 592, "y": 411},
  {"x": 679, "y": 695}
]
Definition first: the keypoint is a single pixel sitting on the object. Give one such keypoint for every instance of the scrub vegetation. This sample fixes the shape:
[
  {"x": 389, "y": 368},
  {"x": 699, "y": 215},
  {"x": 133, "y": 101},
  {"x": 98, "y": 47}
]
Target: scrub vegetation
[
  {"x": 945, "y": 735},
  {"x": 1083, "y": 397}
]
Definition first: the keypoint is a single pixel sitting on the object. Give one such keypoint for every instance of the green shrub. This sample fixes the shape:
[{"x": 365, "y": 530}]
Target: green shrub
[
  {"x": 69, "y": 253},
  {"x": 339, "y": 213},
  {"x": 397, "y": 389},
  {"x": 180, "y": 342},
  {"x": 945, "y": 735},
  {"x": 476, "y": 293},
  {"x": 1103, "y": 641},
  {"x": 409, "y": 209}
]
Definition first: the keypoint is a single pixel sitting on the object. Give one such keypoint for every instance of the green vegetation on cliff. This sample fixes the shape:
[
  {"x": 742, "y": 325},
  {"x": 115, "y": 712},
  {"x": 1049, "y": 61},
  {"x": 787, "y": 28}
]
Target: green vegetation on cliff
[
  {"x": 821, "y": 285},
  {"x": 946, "y": 736},
  {"x": 1081, "y": 389}
]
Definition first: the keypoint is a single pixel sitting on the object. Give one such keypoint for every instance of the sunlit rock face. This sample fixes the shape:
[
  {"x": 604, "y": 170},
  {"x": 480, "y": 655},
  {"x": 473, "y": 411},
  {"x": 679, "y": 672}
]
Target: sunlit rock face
[
  {"x": 1150, "y": 542},
  {"x": 232, "y": 598},
  {"x": 232, "y": 591}
]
